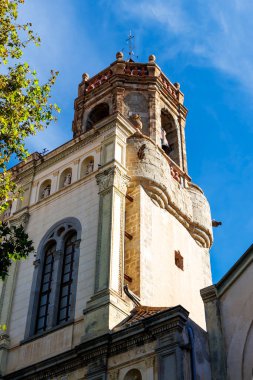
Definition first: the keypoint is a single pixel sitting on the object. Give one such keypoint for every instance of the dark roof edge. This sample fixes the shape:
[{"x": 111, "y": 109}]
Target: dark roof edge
[{"x": 237, "y": 269}]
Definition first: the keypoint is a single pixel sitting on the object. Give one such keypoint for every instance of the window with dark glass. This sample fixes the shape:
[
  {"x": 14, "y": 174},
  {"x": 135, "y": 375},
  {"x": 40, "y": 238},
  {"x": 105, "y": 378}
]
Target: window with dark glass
[
  {"x": 66, "y": 280},
  {"x": 45, "y": 289}
]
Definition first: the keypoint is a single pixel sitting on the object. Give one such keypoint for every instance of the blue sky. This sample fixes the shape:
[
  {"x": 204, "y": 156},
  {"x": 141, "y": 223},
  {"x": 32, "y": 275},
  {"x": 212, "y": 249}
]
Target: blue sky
[{"x": 207, "y": 47}]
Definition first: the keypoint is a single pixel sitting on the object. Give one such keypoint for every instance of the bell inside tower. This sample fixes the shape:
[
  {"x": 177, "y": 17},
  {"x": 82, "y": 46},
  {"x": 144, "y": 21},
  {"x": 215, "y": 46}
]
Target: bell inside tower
[{"x": 169, "y": 136}]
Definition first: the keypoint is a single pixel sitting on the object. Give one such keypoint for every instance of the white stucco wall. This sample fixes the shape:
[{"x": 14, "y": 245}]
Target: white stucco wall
[
  {"x": 162, "y": 282},
  {"x": 236, "y": 305}
]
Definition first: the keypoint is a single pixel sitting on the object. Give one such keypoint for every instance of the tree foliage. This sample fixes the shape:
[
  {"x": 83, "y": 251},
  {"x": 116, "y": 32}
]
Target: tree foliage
[
  {"x": 15, "y": 245},
  {"x": 24, "y": 109},
  {"x": 24, "y": 106}
]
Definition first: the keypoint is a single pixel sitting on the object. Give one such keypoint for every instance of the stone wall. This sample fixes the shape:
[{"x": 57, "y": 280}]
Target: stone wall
[{"x": 165, "y": 217}]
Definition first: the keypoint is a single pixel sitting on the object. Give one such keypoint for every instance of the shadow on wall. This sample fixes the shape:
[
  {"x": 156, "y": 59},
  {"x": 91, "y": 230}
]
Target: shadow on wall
[{"x": 98, "y": 113}]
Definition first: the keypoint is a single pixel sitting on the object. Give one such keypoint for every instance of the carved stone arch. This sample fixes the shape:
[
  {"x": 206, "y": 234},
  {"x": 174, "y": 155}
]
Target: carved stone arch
[
  {"x": 45, "y": 189},
  {"x": 170, "y": 136},
  {"x": 69, "y": 221},
  {"x": 133, "y": 374},
  {"x": 87, "y": 166},
  {"x": 136, "y": 103},
  {"x": 65, "y": 178},
  {"x": 96, "y": 114},
  {"x": 58, "y": 234}
]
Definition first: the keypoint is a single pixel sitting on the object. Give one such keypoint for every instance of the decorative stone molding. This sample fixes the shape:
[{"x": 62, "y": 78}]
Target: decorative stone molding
[
  {"x": 209, "y": 294},
  {"x": 169, "y": 323},
  {"x": 77, "y": 243},
  {"x": 20, "y": 218},
  {"x": 36, "y": 263},
  {"x": 112, "y": 177},
  {"x": 141, "y": 152}
]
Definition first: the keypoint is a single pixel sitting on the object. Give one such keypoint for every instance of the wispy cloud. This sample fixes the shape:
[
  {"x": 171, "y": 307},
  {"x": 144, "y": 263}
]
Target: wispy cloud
[
  {"x": 213, "y": 33},
  {"x": 64, "y": 43}
]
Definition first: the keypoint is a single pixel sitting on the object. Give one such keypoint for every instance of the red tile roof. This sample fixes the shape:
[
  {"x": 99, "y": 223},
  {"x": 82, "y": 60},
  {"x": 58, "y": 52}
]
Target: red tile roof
[{"x": 139, "y": 313}]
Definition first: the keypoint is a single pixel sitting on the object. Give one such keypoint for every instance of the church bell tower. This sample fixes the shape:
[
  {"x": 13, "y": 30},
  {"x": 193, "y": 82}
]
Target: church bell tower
[
  {"x": 154, "y": 228},
  {"x": 121, "y": 237}
]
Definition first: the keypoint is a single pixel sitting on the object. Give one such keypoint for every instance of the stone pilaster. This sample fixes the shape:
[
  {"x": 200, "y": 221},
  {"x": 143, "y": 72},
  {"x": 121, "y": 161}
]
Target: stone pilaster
[
  {"x": 6, "y": 297},
  {"x": 107, "y": 308},
  {"x": 181, "y": 122},
  {"x": 215, "y": 335},
  {"x": 118, "y": 99},
  {"x": 154, "y": 118}
]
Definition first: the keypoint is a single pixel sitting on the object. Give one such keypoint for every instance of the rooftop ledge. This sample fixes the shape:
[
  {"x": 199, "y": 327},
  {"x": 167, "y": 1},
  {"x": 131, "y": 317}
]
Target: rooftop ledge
[{"x": 134, "y": 70}]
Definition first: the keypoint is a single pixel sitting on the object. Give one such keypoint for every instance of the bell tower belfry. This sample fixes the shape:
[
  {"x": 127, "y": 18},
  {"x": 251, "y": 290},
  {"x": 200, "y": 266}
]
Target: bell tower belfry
[{"x": 154, "y": 228}]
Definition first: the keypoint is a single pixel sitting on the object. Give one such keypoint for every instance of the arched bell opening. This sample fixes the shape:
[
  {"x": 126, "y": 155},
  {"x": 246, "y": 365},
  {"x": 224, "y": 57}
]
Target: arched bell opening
[
  {"x": 170, "y": 138},
  {"x": 98, "y": 113}
]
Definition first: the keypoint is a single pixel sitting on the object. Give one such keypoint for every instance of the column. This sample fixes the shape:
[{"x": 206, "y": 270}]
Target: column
[
  {"x": 107, "y": 307},
  {"x": 214, "y": 328}
]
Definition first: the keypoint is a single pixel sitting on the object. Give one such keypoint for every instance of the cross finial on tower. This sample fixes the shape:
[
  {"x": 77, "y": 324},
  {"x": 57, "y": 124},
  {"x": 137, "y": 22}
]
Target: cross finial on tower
[{"x": 130, "y": 41}]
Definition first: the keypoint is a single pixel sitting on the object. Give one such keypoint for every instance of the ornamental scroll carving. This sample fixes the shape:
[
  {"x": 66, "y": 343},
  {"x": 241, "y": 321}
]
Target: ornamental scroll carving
[
  {"x": 112, "y": 177},
  {"x": 20, "y": 219}
]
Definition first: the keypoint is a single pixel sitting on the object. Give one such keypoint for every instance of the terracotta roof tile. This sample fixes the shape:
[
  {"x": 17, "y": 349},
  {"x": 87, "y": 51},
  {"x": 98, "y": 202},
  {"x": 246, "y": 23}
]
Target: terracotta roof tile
[{"x": 139, "y": 313}]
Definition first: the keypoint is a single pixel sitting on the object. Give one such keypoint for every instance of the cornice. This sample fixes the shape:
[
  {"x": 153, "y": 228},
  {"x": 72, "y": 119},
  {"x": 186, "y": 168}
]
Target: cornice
[
  {"x": 62, "y": 191},
  {"x": 110, "y": 177},
  {"x": 209, "y": 294},
  {"x": 70, "y": 147},
  {"x": 169, "y": 322}
]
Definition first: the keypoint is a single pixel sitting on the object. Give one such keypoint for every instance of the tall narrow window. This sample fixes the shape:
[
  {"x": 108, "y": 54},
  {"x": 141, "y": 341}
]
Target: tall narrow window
[
  {"x": 53, "y": 296},
  {"x": 45, "y": 289},
  {"x": 66, "y": 279}
]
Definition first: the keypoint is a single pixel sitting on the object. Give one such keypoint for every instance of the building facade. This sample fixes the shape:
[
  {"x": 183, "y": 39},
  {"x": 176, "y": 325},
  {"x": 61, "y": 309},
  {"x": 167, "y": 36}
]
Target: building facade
[
  {"x": 229, "y": 318},
  {"x": 122, "y": 239}
]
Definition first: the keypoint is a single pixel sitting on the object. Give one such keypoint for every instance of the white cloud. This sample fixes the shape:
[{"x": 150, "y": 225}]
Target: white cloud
[
  {"x": 217, "y": 33},
  {"x": 64, "y": 47}
]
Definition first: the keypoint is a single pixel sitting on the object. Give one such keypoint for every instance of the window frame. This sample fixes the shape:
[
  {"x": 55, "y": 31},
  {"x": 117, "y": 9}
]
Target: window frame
[
  {"x": 68, "y": 283},
  {"x": 66, "y": 228}
]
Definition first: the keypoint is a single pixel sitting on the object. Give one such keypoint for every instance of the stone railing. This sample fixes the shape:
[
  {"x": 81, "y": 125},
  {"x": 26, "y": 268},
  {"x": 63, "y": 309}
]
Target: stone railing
[
  {"x": 134, "y": 69},
  {"x": 131, "y": 69},
  {"x": 98, "y": 80},
  {"x": 172, "y": 89}
]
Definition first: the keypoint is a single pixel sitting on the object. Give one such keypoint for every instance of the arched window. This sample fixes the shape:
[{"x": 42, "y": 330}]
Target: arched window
[
  {"x": 66, "y": 279},
  {"x": 133, "y": 374},
  {"x": 45, "y": 289},
  {"x": 170, "y": 137},
  {"x": 98, "y": 113},
  {"x": 52, "y": 300}
]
